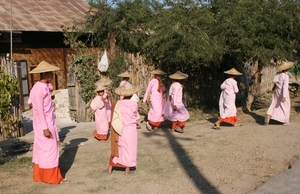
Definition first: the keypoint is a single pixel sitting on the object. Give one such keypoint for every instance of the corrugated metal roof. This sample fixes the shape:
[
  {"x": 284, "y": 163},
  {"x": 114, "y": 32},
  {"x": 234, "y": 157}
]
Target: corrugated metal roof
[{"x": 41, "y": 15}]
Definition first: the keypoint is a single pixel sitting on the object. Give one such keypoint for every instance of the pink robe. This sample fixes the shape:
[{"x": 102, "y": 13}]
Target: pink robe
[
  {"x": 45, "y": 150},
  {"x": 278, "y": 110},
  {"x": 99, "y": 107},
  {"x": 181, "y": 114},
  {"x": 157, "y": 102},
  {"x": 227, "y": 99},
  {"x": 127, "y": 144}
]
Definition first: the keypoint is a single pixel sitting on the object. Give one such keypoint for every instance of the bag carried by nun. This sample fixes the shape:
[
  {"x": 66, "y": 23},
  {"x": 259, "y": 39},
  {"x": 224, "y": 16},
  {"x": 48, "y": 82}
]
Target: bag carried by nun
[{"x": 116, "y": 121}]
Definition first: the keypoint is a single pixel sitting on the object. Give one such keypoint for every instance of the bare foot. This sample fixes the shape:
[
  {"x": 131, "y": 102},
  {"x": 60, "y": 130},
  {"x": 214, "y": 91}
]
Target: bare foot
[
  {"x": 61, "y": 144},
  {"x": 108, "y": 170},
  {"x": 127, "y": 171}
]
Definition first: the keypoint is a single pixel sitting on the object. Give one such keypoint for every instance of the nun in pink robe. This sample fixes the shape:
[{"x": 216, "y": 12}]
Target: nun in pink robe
[
  {"x": 125, "y": 75},
  {"x": 106, "y": 82},
  {"x": 156, "y": 90},
  {"x": 281, "y": 105},
  {"x": 177, "y": 113},
  {"x": 128, "y": 139},
  {"x": 127, "y": 144},
  {"x": 45, "y": 147},
  {"x": 98, "y": 105},
  {"x": 227, "y": 106}
]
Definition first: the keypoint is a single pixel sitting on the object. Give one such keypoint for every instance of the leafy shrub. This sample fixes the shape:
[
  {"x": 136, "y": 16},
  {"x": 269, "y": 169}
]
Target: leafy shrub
[{"x": 9, "y": 95}]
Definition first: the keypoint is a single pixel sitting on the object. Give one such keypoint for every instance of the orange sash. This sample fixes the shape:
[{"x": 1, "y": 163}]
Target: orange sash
[{"x": 47, "y": 175}]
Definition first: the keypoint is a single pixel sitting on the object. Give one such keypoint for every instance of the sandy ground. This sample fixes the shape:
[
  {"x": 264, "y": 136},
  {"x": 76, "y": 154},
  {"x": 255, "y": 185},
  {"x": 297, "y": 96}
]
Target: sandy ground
[{"x": 201, "y": 160}]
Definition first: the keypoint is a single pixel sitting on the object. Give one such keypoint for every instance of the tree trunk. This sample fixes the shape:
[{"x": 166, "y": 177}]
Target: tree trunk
[
  {"x": 254, "y": 84},
  {"x": 112, "y": 44}
]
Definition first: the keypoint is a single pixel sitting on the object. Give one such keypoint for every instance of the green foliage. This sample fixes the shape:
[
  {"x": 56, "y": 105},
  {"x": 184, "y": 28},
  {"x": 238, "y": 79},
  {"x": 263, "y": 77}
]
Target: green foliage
[
  {"x": 12, "y": 163},
  {"x": 124, "y": 22},
  {"x": 83, "y": 64},
  {"x": 85, "y": 68},
  {"x": 195, "y": 37},
  {"x": 183, "y": 37},
  {"x": 8, "y": 98},
  {"x": 258, "y": 30}
]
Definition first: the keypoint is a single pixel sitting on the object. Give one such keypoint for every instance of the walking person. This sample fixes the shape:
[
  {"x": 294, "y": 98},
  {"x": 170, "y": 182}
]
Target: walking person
[
  {"x": 126, "y": 76},
  {"x": 156, "y": 90},
  {"x": 281, "y": 105},
  {"x": 98, "y": 105},
  {"x": 45, "y": 147},
  {"x": 227, "y": 106},
  {"x": 106, "y": 82},
  {"x": 174, "y": 107},
  {"x": 124, "y": 132}
]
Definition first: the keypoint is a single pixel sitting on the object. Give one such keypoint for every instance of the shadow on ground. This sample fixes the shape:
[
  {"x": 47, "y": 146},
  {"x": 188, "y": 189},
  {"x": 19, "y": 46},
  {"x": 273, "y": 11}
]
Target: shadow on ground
[
  {"x": 201, "y": 183},
  {"x": 67, "y": 158},
  {"x": 13, "y": 148},
  {"x": 27, "y": 124},
  {"x": 64, "y": 131}
]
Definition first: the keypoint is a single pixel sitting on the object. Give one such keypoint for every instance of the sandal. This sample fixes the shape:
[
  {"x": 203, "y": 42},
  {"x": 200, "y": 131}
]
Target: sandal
[
  {"x": 237, "y": 125},
  {"x": 216, "y": 127},
  {"x": 148, "y": 126},
  {"x": 179, "y": 129},
  {"x": 64, "y": 181},
  {"x": 286, "y": 124}
]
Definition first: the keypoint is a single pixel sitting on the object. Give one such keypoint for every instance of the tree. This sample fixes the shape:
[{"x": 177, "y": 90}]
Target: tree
[
  {"x": 121, "y": 24},
  {"x": 182, "y": 36},
  {"x": 258, "y": 31}
]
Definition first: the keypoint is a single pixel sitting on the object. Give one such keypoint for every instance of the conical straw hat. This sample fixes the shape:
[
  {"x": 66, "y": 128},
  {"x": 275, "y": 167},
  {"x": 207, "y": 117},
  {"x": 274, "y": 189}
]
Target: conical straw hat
[
  {"x": 104, "y": 81},
  {"x": 158, "y": 72},
  {"x": 284, "y": 65},
  {"x": 100, "y": 87},
  {"x": 44, "y": 67},
  {"x": 125, "y": 74},
  {"x": 127, "y": 89},
  {"x": 233, "y": 71},
  {"x": 178, "y": 76}
]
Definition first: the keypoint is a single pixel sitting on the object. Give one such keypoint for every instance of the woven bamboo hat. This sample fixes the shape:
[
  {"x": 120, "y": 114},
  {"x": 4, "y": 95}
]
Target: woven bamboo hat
[
  {"x": 100, "y": 87},
  {"x": 158, "y": 72},
  {"x": 104, "y": 81},
  {"x": 127, "y": 89},
  {"x": 284, "y": 65},
  {"x": 54, "y": 92},
  {"x": 178, "y": 76},
  {"x": 233, "y": 71},
  {"x": 125, "y": 74},
  {"x": 44, "y": 67}
]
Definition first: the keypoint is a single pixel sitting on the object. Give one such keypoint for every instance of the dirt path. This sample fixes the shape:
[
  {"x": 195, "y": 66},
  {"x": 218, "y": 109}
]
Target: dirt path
[{"x": 202, "y": 160}]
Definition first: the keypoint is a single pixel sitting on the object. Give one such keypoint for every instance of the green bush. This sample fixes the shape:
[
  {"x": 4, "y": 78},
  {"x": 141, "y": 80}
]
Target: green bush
[{"x": 9, "y": 95}]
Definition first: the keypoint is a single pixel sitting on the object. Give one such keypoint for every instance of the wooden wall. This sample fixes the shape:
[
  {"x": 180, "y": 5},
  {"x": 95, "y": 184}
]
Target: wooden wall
[{"x": 54, "y": 56}]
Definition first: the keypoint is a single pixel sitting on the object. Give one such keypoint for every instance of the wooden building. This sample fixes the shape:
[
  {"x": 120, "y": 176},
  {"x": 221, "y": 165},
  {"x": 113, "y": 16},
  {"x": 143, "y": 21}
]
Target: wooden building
[{"x": 37, "y": 35}]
